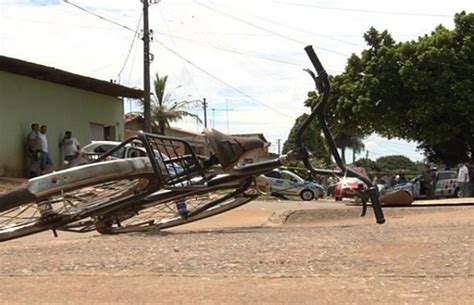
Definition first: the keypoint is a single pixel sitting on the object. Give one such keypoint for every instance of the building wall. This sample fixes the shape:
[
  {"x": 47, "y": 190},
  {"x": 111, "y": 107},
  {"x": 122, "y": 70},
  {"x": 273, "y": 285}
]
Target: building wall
[{"x": 25, "y": 100}]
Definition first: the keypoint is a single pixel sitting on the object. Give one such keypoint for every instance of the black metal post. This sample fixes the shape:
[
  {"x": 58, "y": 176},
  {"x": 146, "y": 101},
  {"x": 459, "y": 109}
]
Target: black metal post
[{"x": 146, "y": 68}]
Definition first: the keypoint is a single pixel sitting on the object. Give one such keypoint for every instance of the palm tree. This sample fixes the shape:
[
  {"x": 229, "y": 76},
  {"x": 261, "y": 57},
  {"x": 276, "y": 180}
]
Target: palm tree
[
  {"x": 164, "y": 109},
  {"x": 346, "y": 140}
]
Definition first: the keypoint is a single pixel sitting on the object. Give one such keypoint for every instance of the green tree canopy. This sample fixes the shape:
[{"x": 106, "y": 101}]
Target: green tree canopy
[
  {"x": 369, "y": 164},
  {"x": 420, "y": 90},
  {"x": 312, "y": 139},
  {"x": 395, "y": 163}
]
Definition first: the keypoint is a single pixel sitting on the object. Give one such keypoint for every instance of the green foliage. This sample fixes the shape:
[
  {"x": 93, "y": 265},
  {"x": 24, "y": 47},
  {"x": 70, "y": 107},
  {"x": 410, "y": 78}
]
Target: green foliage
[
  {"x": 419, "y": 90},
  {"x": 369, "y": 164},
  {"x": 312, "y": 139},
  {"x": 164, "y": 109},
  {"x": 395, "y": 163},
  {"x": 347, "y": 139}
]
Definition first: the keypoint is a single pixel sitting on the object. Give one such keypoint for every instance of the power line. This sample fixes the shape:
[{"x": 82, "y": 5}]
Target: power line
[
  {"x": 235, "y": 51},
  {"x": 301, "y": 30},
  {"x": 55, "y": 24},
  {"x": 267, "y": 30},
  {"x": 249, "y": 23},
  {"x": 364, "y": 11},
  {"x": 222, "y": 81},
  {"x": 131, "y": 47},
  {"x": 99, "y": 16},
  {"x": 184, "y": 65}
]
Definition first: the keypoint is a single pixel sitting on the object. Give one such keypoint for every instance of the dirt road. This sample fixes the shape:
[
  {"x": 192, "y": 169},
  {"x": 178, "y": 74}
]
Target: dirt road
[{"x": 422, "y": 255}]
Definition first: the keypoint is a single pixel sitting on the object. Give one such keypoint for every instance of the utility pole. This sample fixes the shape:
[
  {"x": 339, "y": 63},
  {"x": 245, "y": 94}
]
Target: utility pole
[
  {"x": 146, "y": 68},
  {"x": 367, "y": 154},
  {"x": 214, "y": 119},
  {"x": 279, "y": 143},
  {"x": 204, "y": 105}
]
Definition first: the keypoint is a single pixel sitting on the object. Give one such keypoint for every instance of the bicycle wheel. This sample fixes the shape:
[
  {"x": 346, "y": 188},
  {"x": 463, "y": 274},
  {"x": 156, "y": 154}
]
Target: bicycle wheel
[
  {"x": 54, "y": 200},
  {"x": 170, "y": 214}
]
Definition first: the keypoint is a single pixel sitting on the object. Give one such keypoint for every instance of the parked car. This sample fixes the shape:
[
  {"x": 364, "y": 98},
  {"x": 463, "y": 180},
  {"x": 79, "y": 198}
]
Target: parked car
[
  {"x": 346, "y": 188},
  {"x": 445, "y": 181},
  {"x": 95, "y": 149},
  {"x": 286, "y": 183}
]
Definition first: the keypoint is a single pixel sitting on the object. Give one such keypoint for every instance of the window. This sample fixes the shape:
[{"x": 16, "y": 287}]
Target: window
[
  {"x": 446, "y": 175},
  {"x": 100, "y": 132}
]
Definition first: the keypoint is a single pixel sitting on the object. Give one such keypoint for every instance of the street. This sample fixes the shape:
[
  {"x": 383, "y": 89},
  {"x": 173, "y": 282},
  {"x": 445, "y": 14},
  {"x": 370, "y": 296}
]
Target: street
[{"x": 319, "y": 253}]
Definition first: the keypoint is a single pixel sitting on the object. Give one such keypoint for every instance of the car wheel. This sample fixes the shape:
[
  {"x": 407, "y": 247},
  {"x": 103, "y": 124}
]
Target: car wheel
[{"x": 307, "y": 195}]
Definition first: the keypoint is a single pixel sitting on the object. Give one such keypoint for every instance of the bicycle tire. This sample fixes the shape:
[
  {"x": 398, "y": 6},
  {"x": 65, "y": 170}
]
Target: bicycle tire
[
  {"x": 71, "y": 195},
  {"x": 166, "y": 215}
]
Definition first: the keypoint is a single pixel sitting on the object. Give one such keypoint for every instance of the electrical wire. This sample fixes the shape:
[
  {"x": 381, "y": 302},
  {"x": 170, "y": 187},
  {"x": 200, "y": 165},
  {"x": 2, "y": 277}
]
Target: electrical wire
[
  {"x": 364, "y": 11},
  {"x": 235, "y": 51},
  {"x": 98, "y": 16},
  {"x": 183, "y": 63},
  {"x": 329, "y": 37},
  {"x": 267, "y": 30},
  {"x": 222, "y": 81},
  {"x": 131, "y": 47}
]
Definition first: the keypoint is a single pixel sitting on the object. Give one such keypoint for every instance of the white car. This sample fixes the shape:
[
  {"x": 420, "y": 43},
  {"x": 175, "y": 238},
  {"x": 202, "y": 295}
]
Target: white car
[
  {"x": 95, "y": 149},
  {"x": 446, "y": 185},
  {"x": 286, "y": 183}
]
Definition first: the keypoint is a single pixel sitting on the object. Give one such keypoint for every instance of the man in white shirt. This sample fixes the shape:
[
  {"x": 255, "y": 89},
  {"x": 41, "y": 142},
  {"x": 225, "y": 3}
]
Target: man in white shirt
[
  {"x": 70, "y": 147},
  {"x": 463, "y": 180},
  {"x": 46, "y": 162}
]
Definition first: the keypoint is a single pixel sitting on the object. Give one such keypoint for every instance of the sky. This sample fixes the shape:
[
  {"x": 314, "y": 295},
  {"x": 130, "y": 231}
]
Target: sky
[{"x": 245, "y": 57}]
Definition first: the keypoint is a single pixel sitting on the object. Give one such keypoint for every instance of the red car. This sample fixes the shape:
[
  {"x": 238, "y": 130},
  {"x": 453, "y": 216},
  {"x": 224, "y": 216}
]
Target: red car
[{"x": 346, "y": 188}]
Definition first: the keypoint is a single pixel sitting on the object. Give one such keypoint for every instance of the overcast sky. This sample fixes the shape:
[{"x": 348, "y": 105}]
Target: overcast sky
[{"x": 243, "y": 56}]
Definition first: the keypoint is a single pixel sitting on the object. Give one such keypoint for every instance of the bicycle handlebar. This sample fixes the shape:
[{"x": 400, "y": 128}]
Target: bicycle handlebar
[
  {"x": 322, "y": 84},
  {"x": 315, "y": 60}
]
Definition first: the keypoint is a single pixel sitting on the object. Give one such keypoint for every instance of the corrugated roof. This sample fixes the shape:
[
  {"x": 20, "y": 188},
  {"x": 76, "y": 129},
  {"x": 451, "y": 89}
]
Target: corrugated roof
[{"x": 53, "y": 75}]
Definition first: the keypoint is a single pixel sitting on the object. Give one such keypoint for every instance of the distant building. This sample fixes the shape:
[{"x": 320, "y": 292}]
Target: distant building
[{"x": 92, "y": 109}]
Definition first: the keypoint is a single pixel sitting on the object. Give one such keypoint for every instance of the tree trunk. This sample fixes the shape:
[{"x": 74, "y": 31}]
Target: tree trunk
[
  {"x": 343, "y": 154},
  {"x": 161, "y": 128}
]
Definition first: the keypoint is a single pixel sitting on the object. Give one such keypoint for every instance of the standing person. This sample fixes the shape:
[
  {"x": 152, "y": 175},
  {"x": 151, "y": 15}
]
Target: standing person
[
  {"x": 33, "y": 147},
  {"x": 463, "y": 179},
  {"x": 70, "y": 146},
  {"x": 46, "y": 162},
  {"x": 429, "y": 177}
]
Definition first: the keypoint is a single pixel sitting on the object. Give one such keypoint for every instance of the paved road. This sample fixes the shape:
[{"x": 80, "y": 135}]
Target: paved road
[{"x": 323, "y": 254}]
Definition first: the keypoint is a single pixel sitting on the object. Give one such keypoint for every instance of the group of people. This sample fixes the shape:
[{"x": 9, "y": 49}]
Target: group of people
[
  {"x": 466, "y": 178},
  {"x": 390, "y": 180},
  {"x": 38, "y": 150}
]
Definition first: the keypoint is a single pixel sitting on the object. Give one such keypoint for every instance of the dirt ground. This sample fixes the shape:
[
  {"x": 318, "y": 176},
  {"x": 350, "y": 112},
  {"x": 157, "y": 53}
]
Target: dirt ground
[{"x": 318, "y": 253}]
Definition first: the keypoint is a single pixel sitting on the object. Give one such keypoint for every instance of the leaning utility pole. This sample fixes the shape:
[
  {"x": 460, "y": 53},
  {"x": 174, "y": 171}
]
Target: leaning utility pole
[{"x": 146, "y": 68}]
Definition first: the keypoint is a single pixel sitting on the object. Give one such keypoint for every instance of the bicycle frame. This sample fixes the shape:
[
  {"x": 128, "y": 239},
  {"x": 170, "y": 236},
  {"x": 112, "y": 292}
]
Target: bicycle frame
[
  {"x": 195, "y": 179},
  {"x": 172, "y": 172}
]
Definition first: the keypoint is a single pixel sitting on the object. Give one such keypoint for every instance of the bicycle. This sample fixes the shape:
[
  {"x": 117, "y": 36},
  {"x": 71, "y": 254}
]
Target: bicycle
[{"x": 104, "y": 194}]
